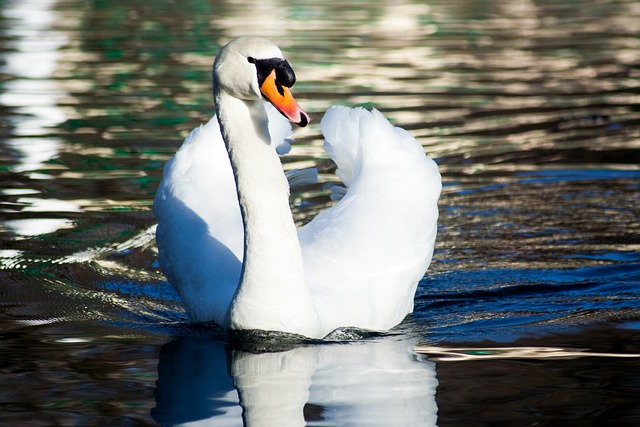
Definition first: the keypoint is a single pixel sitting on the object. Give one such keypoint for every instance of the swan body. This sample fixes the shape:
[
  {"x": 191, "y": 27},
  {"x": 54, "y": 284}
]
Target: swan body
[{"x": 226, "y": 237}]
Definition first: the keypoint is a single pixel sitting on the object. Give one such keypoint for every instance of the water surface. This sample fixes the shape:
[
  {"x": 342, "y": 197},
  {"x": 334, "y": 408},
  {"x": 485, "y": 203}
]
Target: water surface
[{"x": 529, "y": 108}]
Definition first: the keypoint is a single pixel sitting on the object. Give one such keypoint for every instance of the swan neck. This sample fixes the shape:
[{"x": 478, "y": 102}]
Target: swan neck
[{"x": 272, "y": 294}]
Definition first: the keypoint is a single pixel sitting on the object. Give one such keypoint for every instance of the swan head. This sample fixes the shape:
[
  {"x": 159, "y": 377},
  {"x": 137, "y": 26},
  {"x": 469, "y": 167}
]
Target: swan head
[{"x": 253, "y": 68}]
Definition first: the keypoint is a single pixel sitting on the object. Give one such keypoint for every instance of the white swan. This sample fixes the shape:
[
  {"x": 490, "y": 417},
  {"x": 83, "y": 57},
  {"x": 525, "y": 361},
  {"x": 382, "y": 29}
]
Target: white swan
[{"x": 231, "y": 248}]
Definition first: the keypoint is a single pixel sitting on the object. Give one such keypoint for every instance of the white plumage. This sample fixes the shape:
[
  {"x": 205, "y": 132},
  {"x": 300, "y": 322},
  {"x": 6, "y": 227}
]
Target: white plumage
[{"x": 357, "y": 264}]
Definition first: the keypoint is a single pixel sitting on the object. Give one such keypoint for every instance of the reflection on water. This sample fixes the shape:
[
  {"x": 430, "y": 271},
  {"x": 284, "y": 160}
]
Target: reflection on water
[
  {"x": 205, "y": 379},
  {"x": 530, "y": 108},
  {"x": 374, "y": 383},
  {"x": 194, "y": 384}
]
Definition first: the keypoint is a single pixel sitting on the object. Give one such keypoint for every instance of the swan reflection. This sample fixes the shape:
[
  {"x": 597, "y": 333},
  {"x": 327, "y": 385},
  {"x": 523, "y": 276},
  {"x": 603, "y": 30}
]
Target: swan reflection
[{"x": 378, "y": 382}]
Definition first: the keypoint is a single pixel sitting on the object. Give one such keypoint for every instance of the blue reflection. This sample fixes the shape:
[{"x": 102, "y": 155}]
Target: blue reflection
[
  {"x": 565, "y": 175},
  {"x": 504, "y": 303}
]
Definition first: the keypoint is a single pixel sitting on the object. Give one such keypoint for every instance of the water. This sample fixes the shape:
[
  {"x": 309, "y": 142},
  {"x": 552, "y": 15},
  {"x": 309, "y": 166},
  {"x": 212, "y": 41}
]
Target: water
[{"x": 531, "y": 111}]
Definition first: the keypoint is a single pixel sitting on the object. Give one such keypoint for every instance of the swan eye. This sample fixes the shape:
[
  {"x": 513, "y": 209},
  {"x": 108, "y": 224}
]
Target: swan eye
[
  {"x": 251, "y": 60},
  {"x": 284, "y": 73}
]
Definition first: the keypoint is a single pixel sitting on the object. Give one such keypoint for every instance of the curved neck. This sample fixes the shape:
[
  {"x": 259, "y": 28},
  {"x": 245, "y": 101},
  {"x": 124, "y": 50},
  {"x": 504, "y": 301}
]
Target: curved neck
[{"x": 272, "y": 294}]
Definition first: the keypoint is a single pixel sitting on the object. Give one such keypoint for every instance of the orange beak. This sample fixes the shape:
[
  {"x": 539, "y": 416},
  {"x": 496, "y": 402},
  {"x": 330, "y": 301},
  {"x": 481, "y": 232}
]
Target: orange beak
[{"x": 281, "y": 98}]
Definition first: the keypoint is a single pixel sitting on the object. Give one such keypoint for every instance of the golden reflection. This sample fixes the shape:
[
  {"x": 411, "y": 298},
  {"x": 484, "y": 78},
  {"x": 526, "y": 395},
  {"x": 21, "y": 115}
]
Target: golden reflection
[
  {"x": 24, "y": 228},
  {"x": 441, "y": 354},
  {"x": 35, "y": 204}
]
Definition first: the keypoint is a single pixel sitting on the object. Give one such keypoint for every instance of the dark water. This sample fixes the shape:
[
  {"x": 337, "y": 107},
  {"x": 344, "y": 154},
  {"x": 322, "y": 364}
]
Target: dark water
[{"x": 532, "y": 111}]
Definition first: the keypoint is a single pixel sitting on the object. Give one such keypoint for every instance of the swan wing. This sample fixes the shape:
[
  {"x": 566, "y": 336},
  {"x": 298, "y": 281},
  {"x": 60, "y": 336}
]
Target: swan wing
[
  {"x": 200, "y": 235},
  {"x": 364, "y": 256},
  {"x": 199, "y": 232}
]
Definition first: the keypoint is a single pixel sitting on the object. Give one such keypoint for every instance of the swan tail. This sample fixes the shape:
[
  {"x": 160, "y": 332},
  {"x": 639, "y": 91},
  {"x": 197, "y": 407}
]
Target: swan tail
[
  {"x": 341, "y": 129},
  {"x": 355, "y": 136},
  {"x": 366, "y": 253}
]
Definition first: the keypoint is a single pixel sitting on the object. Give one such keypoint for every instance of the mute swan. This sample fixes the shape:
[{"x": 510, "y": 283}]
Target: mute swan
[{"x": 226, "y": 237}]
